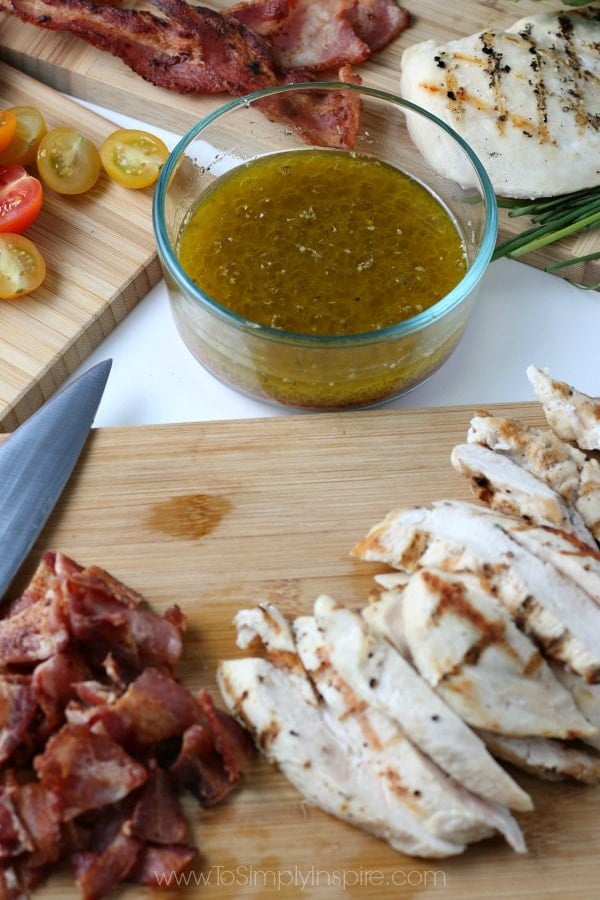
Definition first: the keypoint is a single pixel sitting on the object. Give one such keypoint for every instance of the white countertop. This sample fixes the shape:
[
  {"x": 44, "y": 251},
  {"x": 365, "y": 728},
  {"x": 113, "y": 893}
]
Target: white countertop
[{"x": 522, "y": 316}]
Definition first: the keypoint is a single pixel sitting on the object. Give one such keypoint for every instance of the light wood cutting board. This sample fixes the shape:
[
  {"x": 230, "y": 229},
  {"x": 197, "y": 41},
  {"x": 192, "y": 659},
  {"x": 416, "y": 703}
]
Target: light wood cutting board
[
  {"x": 69, "y": 64},
  {"x": 101, "y": 257},
  {"x": 223, "y": 515}
]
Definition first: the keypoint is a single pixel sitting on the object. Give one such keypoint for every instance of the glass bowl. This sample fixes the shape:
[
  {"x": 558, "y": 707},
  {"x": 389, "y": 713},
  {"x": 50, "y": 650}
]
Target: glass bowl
[{"x": 309, "y": 371}]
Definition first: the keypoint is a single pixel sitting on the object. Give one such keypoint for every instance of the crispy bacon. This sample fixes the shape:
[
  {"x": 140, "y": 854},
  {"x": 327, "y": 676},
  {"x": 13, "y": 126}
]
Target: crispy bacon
[
  {"x": 189, "y": 52},
  {"x": 17, "y": 710},
  {"x": 95, "y": 731},
  {"x": 254, "y": 45},
  {"x": 86, "y": 770}
]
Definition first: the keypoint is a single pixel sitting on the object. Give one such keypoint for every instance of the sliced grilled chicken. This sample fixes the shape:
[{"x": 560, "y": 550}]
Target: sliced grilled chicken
[
  {"x": 465, "y": 644},
  {"x": 573, "y": 415},
  {"x": 564, "y": 468},
  {"x": 319, "y": 756},
  {"x": 587, "y": 699},
  {"x": 449, "y": 811},
  {"x": 464, "y": 537},
  {"x": 526, "y": 100},
  {"x": 385, "y": 681},
  {"x": 546, "y": 758},
  {"x": 508, "y": 488}
]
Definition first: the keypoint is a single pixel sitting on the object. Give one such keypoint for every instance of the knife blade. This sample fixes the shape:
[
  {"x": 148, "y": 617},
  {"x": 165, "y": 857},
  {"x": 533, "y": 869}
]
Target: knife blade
[{"x": 36, "y": 462}]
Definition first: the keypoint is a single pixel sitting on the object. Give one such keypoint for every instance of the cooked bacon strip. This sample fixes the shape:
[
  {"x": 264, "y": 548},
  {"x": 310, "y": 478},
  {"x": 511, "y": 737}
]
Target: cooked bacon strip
[
  {"x": 254, "y": 45},
  {"x": 86, "y": 770},
  {"x": 196, "y": 50},
  {"x": 327, "y": 118},
  {"x": 318, "y": 36}
]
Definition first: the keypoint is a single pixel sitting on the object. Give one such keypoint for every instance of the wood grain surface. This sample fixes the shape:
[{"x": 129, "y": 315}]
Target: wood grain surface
[
  {"x": 69, "y": 64},
  {"x": 101, "y": 257},
  {"x": 222, "y": 515}
]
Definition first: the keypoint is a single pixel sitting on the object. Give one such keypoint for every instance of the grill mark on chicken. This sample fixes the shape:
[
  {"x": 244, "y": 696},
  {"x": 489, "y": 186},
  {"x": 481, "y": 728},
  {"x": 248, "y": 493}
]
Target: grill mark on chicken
[{"x": 453, "y": 599}]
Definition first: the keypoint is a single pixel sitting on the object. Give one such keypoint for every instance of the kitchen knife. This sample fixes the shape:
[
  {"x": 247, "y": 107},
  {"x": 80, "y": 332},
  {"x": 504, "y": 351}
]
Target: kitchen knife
[{"x": 36, "y": 461}]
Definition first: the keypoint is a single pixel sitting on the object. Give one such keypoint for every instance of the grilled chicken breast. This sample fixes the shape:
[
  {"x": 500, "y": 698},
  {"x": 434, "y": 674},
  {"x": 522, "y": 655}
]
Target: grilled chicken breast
[
  {"x": 546, "y": 758},
  {"x": 506, "y": 487},
  {"x": 463, "y": 537},
  {"x": 573, "y": 415},
  {"x": 450, "y": 811},
  {"x": 385, "y": 681},
  {"x": 526, "y": 100},
  {"x": 464, "y": 643},
  {"x": 320, "y": 756},
  {"x": 564, "y": 468}
]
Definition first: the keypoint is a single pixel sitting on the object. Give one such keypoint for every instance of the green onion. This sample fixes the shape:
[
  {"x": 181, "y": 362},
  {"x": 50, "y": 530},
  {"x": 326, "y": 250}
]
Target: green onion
[{"x": 552, "y": 219}]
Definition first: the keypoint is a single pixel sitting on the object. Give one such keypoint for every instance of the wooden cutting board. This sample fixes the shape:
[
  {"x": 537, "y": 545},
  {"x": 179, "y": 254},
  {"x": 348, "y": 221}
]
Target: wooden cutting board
[
  {"x": 223, "y": 515},
  {"x": 71, "y": 65},
  {"x": 101, "y": 257}
]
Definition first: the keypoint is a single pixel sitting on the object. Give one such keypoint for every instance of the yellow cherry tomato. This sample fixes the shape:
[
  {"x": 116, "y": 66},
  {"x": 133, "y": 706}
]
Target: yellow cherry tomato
[
  {"x": 67, "y": 161},
  {"x": 8, "y": 125},
  {"x": 133, "y": 158},
  {"x": 22, "y": 267},
  {"x": 30, "y": 129}
]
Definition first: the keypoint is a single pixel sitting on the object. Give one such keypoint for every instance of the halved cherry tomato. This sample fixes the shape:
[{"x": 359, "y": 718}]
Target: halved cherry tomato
[
  {"x": 8, "y": 124},
  {"x": 133, "y": 158},
  {"x": 68, "y": 162},
  {"x": 20, "y": 199},
  {"x": 22, "y": 267},
  {"x": 30, "y": 129}
]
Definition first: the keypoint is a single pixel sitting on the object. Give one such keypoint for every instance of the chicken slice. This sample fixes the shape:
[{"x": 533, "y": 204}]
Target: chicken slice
[
  {"x": 465, "y": 644},
  {"x": 508, "y": 488},
  {"x": 573, "y": 415},
  {"x": 319, "y": 756},
  {"x": 384, "y": 680},
  {"x": 463, "y": 537},
  {"x": 564, "y": 468},
  {"x": 449, "y": 811},
  {"x": 526, "y": 100},
  {"x": 587, "y": 700},
  {"x": 545, "y": 758}
]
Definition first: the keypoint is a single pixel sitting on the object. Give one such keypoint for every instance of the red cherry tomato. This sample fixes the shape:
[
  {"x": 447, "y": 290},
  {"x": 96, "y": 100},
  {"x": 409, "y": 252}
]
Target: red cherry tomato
[{"x": 20, "y": 199}]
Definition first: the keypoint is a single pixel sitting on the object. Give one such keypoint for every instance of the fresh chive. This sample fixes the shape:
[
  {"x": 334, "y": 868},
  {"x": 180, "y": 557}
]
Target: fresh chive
[{"x": 552, "y": 219}]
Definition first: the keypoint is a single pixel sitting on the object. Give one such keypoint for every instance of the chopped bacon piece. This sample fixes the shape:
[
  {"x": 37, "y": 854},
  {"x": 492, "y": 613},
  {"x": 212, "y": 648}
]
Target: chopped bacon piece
[
  {"x": 76, "y": 688},
  {"x": 157, "y": 866},
  {"x": 157, "y": 816},
  {"x": 42, "y": 581},
  {"x": 199, "y": 767},
  {"x": 97, "y": 874},
  {"x": 86, "y": 770},
  {"x": 40, "y": 810},
  {"x": 17, "y": 710},
  {"x": 153, "y": 708},
  {"x": 34, "y": 633},
  {"x": 232, "y": 742},
  {"x": 52, "y": 686},
  {"x": 14, "y": 838}
]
